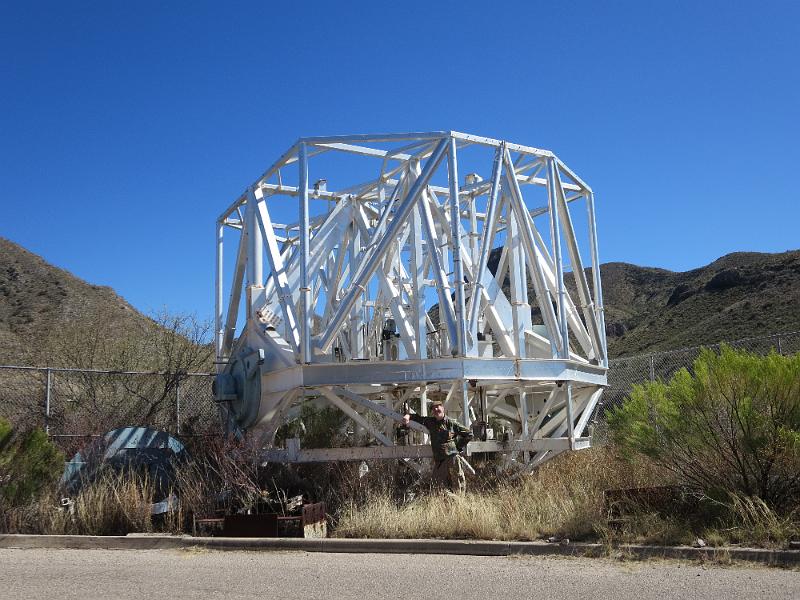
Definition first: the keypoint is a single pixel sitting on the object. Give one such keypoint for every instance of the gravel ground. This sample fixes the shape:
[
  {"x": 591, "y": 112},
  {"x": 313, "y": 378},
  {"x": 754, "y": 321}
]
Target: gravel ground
[{"x": 179, "y": 574}]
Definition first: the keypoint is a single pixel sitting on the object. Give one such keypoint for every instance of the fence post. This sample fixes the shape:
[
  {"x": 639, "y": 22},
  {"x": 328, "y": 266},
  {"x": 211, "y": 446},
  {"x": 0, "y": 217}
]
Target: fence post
[
  {"x": 48, "y": 387},
  {"x": 780, "y": 350},
  {"x": 652, "y": 367}
]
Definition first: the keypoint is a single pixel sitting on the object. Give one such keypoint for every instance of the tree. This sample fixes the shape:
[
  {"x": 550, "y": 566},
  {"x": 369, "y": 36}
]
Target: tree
[
  {"x": 28, "y": 462},
  {"x": 730, "y": 425},
  {"x": 164, "y": 349}
]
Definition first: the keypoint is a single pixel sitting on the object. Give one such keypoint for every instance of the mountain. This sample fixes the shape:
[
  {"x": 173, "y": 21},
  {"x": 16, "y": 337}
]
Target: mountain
[
  {"x": 40, "y": 302},
  {"x": 740, "y": 295}
]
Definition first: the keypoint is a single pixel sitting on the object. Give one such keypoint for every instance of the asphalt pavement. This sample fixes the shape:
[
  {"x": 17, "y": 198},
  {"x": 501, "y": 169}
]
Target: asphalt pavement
[{"x": 178, "y": 574}]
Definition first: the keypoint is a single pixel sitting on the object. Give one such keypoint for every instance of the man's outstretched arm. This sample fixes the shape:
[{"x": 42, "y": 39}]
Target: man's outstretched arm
[{"x": 416, "y": 418}]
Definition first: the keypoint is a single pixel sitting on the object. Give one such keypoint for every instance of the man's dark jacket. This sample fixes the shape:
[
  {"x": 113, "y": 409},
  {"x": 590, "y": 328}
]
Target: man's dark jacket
[{"x": 448, "y": 436}]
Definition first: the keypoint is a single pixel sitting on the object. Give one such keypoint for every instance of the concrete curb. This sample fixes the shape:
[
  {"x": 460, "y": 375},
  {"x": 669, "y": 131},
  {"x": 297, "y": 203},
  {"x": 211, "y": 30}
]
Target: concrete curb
[{"x": 785, "y": 558}]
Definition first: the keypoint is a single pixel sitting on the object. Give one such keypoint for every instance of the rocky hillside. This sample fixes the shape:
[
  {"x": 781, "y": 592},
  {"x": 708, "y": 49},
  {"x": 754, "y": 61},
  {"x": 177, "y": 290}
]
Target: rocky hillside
[
  {"x": 38, "y": 302},
  {"x": 740, "y": 295}
]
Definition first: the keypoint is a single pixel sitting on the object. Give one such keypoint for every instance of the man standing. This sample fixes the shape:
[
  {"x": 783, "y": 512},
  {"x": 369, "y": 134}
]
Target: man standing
[{"x": 448, "y": 438}]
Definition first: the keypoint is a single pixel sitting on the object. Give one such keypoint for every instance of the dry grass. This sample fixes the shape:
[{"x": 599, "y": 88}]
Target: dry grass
[
  {"x": 115, "y": 504},
  {"x": 564, "y": 498},
  {"x": 750, "y": 521}
]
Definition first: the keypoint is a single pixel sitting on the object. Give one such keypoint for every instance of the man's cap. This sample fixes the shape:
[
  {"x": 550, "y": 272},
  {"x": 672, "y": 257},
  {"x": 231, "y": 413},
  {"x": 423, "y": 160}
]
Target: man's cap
[{"x": 437, "y": 403}]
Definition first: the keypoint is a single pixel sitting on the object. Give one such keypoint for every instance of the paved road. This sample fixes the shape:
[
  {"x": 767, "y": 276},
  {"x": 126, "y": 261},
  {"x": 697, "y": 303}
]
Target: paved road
[{"x": 179, "y": 574}]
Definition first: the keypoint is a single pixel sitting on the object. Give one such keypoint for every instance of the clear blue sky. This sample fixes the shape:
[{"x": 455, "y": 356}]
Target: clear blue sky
[{"x": 127, "y": 127}]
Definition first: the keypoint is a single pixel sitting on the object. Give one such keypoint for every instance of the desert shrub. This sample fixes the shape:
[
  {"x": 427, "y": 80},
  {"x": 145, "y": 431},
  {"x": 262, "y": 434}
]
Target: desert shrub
[
  {"x": 316, "y": 426},
  {"x": 222, "y": 474},
  {"x": 29, "y": 462},
  {"x": 731, "y": 426},
  {"x": 163, "y": 350}
]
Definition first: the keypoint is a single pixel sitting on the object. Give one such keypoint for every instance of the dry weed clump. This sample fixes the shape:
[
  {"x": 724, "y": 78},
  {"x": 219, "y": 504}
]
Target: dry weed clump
[
  {"x": 116, "y": 503},
  {"x": 749, "y": 520},
  {"x": 435, "y": 516},
  {"x": 113, "y": 504},
  {"x": 221, "y": 475},
  {"x": 563, "y": 498}
]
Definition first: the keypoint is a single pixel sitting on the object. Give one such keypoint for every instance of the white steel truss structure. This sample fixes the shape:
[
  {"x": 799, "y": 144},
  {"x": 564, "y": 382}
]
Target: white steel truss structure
[{"x": 407, "y": 283}]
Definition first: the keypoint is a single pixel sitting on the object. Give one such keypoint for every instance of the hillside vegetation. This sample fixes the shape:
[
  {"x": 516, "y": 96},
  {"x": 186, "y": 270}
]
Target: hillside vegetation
[
  {"x": 41, "y": 304},
  {"x": 50, "y": 317},
  {"x": 740, "y": 295}
]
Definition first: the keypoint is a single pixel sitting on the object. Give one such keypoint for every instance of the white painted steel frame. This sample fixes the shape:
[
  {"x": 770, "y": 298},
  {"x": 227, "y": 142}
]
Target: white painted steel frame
[{"x": 343, "y": 313}]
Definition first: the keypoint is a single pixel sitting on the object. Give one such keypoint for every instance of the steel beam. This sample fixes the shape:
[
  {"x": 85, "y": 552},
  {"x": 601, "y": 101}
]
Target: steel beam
[
  {"x": 370, "y": 263},
  {"x": 458, "y": 268},
  {"x": 305, "y": 257}
]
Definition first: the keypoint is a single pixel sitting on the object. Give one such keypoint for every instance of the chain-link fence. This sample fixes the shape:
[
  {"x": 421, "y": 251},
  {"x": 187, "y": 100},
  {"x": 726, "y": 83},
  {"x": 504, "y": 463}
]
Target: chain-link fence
[
  {"x": 76, "y": 403},
  {"x": 624, "y": 373}
]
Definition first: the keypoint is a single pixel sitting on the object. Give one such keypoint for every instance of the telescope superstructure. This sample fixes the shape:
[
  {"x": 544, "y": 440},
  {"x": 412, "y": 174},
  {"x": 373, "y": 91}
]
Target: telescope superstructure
[{"x": 375, "y": 272}]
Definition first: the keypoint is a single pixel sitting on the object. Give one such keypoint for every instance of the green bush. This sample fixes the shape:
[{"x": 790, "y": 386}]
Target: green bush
[
  {"x": 732, "y": 426},
  {"x": 317, "y": 427},
  {"x": 29, "y": 462}
]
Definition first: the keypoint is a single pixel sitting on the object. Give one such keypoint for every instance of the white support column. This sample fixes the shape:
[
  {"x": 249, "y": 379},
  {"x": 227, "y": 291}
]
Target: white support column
[
  {"x": 473, "y": 230},
  {"x": 489, "y": 230},
  {"x": 423, "y": 409},
  {"x": 535, "y": 260},
  {"x": 357, "y": 342},
  {"x": 435, "y": 251},
  {"x": 576, "y": 264},
  {"x": 555, "y": 236},
  {"x": 255, "y": 273},
  {"x": 219, "y": 333},
  {"x": 305, "y": 288},
  {"x": 474, "y": 284},
  {"x": 255, "y": 251},
  {"x": 520, "y": 309},
  {"x": 596, "y": 283},
  {"x": 524, "y": 410},
  {"x": 570, "y": 416},
  {"x": 236, "y": 293},
  {"x": 465, "y": 418},
  {"x": 418, "y": 285},
  {"x": 587, "y": 412},
  {"x": 460, "y": 348}
]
